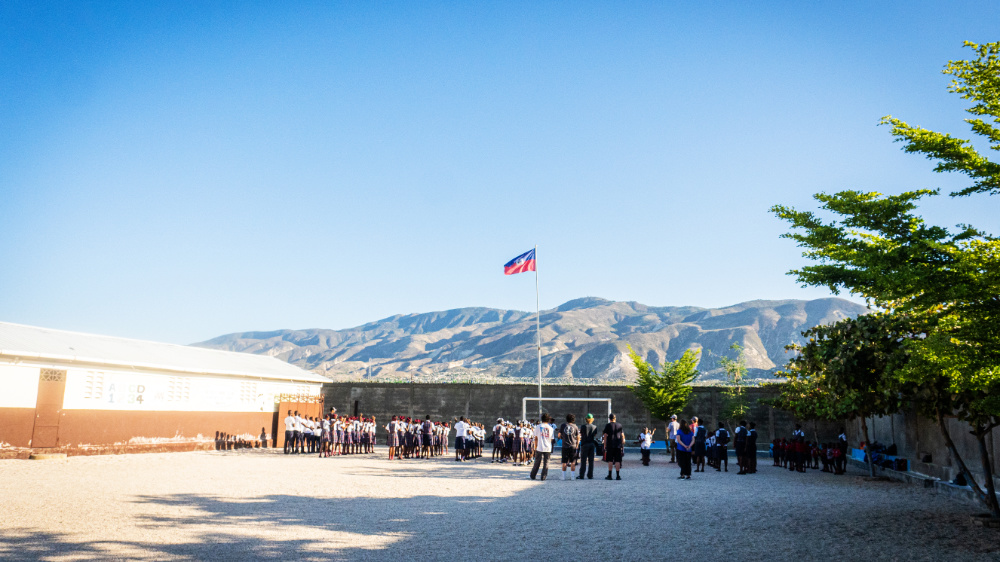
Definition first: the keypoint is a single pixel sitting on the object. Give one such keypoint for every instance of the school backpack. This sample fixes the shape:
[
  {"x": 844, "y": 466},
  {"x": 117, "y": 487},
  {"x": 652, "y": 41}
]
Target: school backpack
[{"x": 722, "y": 437}]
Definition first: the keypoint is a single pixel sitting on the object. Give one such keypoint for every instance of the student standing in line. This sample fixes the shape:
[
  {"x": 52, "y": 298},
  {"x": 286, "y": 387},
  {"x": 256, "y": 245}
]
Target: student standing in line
[
  {"x": 317, "y": 434},
  {"x": 721, "y": 452},
  {"x": 299, "y": 428},
  {"x": 614, "y": 446},
  {"x": 700, "y": 444},
  {"x": 799, "y": 437},
  {"x": 588, "y": 446},
  {"x": 570, "y": 435},
  {"x": 289, "y": 432},
  {"x": 542, "y": 436},
  {"x": 672, "y": 428},
  {"x": 740, "y": 444},
  {"x": 840, "y": 464},
  {"x": 427, "y": 429},
  {"x": 751, "y": 451},
  {"x": 685, "y": 443}
]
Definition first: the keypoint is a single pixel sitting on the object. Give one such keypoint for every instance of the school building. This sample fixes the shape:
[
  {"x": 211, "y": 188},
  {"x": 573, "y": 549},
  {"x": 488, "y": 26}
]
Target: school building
[{"x": 74, "y": 393}]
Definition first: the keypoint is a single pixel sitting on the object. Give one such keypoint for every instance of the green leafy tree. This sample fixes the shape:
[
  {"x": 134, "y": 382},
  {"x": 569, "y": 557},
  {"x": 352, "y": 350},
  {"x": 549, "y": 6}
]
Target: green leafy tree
[
  {"x": 846, "y": 370},
  {"x": 737, "y": 405},
  {"x": 668, "y": 390},
  {"x": 978, "y": 81},
  {"x": 948, "y": 281}
]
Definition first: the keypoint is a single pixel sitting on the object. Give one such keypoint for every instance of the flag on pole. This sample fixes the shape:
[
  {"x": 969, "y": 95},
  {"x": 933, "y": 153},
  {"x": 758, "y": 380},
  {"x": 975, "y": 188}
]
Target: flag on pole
[{"x": 520, "y": 264}]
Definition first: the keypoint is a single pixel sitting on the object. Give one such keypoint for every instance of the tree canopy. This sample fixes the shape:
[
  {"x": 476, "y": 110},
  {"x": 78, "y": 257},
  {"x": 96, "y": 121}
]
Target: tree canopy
[
  {"x": 665, "y": 391},
  {"x": 935, "y": 339}
]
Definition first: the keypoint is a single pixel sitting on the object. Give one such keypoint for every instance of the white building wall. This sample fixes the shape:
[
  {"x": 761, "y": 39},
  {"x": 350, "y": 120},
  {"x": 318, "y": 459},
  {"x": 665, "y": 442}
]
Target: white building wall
[
  {"x": 18, "y": 386},
  {"x": 109, "y": 389}
]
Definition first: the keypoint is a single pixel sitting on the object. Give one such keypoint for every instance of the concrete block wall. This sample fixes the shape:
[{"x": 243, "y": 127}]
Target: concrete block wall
[
  {"x": 917, "y": 437},
  {"x": 484, "y": 403}
]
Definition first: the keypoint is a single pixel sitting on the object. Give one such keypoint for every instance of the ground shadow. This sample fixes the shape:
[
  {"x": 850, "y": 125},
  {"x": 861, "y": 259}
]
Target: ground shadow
[{"x": 736, "y": 523}]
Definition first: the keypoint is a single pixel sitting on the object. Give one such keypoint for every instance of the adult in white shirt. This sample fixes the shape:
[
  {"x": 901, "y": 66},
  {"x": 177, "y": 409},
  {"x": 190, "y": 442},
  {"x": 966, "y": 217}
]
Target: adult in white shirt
[
  {"x": 461, "y": 434},
  {"x": 317, "y": 434},
  {"x": 672, "y": 428},
  {"x": 543, "y": 435},
  {"x": 289, "y": 432}
]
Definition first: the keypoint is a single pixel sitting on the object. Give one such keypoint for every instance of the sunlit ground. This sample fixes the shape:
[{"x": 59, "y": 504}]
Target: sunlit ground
[{"x": 265, "y": 505}]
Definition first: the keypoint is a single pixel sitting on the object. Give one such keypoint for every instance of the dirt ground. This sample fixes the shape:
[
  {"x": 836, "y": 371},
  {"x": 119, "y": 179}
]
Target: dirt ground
[{"x": 243, "y": 505}]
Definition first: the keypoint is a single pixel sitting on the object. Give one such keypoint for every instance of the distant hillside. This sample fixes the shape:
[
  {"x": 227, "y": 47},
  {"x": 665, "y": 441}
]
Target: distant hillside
[{"x": 584, "y": 340}]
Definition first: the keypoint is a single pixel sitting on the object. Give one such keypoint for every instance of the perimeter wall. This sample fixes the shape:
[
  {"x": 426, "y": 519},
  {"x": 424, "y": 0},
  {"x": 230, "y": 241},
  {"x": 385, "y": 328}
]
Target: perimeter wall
[
  {"x": 919, "y": 440},
  {"x": 484, "y": 403}
]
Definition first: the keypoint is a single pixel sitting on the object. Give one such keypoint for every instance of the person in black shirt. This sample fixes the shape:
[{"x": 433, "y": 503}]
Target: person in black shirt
[
  {"x": 588, "y": 445},
  {"x": 721, "y": 451},
  {"x": 740, "y": 444},
  {"x": 570, "y": 435},
  {"x": 700, "y": 439},
  {"x": 751, "y": 454},
  {"x": 614, "y": 446}
]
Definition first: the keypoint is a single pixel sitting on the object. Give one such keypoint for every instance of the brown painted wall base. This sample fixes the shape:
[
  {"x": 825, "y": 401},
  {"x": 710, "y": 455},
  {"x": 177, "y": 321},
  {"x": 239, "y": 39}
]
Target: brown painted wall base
[
  {"x": 111, "y": 431},
  {"x": 79, "y": 428},
  {"x": 16, "y": 425}
]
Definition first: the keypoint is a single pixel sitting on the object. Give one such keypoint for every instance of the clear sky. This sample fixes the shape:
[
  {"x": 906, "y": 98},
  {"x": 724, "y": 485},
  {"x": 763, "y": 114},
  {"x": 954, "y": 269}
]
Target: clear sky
[{"x": 180, "y": 170}]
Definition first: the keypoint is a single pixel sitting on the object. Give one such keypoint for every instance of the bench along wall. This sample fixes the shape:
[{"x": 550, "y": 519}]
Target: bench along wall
[
  {"x": 919, "y": 440},
  {"x": 484, "y": 403}
]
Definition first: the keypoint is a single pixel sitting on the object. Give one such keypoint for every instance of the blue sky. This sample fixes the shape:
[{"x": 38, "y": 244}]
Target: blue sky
[{"x": 175, "y": 171}]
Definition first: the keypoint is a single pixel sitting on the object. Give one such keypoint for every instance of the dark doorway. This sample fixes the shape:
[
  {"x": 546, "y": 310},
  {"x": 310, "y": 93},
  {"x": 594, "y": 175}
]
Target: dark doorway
[{"x": 356, "y": 408}]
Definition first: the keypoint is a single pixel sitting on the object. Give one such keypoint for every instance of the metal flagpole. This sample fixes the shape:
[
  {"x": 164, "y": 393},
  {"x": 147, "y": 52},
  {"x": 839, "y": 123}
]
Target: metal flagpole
[{"x": 538, "y": 333}]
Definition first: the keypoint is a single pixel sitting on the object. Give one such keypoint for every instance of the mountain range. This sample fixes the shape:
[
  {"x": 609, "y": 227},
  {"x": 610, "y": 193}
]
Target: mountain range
[{"x": 583, "y": 340}]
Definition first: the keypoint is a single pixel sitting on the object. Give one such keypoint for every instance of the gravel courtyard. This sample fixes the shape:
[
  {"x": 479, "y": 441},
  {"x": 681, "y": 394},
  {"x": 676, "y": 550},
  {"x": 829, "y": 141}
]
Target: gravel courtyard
[{"x": 264, "y": 505}]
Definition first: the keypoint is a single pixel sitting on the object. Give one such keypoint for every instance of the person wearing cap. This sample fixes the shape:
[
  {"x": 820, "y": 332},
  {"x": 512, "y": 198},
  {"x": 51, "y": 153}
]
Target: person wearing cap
[
  {"x": 588, "y": 446},
  {"x": 672, "y": 428}
]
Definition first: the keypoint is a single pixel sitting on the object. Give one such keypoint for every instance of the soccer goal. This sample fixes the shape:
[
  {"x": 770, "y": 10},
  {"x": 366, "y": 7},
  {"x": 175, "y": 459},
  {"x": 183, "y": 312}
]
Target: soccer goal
[{"x": 524, "y": 402}]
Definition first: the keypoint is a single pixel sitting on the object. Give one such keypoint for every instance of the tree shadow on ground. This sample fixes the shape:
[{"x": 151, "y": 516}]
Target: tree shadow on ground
[
  {"x": 487, "y": 527},
  {"x": 280, "y": 527},
  {"x": 437, "y": 467}
]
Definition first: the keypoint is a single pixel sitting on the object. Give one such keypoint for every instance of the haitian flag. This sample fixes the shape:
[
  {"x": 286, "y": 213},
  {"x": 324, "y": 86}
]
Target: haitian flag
[{"x": 520, "y": 264}]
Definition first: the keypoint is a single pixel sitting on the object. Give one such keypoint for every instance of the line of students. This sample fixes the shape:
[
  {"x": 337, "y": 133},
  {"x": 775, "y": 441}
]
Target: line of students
[
  {"x": 796, "y": 454},
  {"x": 414, "y": 438},
  {"x": 513, "y": 441},
  {"x": 692, "y": 444},
  {"x": 329, "y": 436},
  {"x": 411, "y": 438}
]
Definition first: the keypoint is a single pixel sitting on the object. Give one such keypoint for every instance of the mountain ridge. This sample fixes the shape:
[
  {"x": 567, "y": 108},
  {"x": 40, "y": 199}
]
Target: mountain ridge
[{"x": 583, "y": 340}]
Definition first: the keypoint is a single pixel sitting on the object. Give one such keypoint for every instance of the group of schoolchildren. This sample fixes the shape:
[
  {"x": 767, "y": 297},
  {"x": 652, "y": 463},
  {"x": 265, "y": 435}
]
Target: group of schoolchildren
[
  {"x": 411, "y": 438},
  {"x": 330, "y": 435},
  {"x": 796, "y": 454},
  {"x": 513, "y": 442},
  {"x": 691, "y": 443}
]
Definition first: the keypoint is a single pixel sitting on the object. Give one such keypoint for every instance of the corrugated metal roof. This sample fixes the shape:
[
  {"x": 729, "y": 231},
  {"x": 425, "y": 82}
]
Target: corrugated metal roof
[{"x": 30, "y": 342}]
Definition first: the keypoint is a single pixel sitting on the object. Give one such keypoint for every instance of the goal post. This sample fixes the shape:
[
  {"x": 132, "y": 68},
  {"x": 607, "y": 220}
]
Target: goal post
[{"x": 524, "y": 402}]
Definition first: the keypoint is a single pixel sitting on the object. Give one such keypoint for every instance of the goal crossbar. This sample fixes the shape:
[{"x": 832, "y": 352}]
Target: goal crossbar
[{"x": 524, "y": 402}]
